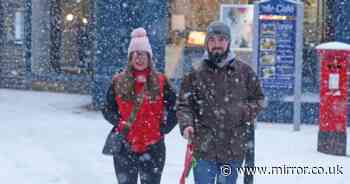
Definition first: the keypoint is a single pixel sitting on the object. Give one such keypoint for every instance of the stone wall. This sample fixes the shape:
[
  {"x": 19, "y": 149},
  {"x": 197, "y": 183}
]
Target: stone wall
[{"x": 12, "y": 62}]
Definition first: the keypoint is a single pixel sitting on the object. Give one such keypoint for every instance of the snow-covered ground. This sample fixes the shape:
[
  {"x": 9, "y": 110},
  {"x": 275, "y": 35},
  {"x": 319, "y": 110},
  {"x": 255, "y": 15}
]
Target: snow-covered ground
[{"x": 51, "y": 138}]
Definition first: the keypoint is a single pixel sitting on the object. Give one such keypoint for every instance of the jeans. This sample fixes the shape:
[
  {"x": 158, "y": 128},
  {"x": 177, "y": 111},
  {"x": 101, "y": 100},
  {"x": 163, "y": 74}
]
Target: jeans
[{"x": 206, "y": 171}]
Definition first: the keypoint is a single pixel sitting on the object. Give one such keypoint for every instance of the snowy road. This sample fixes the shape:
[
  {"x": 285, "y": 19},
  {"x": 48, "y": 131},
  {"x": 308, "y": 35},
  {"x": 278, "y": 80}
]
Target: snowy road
[{"x": 49, "y": 138}]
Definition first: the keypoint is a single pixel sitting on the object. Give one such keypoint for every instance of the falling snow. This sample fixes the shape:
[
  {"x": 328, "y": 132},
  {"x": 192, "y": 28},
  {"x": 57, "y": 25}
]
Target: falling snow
[{"x": 77, "y": 46}]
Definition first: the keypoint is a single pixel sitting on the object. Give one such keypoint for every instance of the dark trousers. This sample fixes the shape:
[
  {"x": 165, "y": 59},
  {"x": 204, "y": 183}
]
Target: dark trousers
[{"x": 149, "y": 165}]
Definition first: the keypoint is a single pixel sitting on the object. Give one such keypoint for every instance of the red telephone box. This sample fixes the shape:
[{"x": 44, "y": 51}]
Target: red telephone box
[{"x": 334, "y": 62}]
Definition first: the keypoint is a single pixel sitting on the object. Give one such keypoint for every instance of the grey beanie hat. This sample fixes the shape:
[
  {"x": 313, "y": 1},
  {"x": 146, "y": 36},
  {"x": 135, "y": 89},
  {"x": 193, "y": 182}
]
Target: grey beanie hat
[{"x": 218, "y": 28}]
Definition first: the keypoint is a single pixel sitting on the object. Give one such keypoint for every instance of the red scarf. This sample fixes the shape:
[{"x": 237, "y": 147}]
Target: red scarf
[{"x": 140, "y": 78}]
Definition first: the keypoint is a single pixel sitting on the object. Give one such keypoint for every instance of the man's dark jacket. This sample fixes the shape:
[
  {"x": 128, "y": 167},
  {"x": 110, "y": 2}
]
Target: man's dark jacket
[{"x": 219, "y": 102}]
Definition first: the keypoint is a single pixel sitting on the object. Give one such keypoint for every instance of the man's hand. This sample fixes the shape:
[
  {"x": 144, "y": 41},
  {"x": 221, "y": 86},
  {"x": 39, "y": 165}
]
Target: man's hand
[{"x": 188, "y": 133}]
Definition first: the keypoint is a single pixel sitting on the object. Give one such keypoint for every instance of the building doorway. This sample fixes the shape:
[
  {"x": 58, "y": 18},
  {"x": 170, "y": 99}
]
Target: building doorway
[{"x": 71, "y": 48}]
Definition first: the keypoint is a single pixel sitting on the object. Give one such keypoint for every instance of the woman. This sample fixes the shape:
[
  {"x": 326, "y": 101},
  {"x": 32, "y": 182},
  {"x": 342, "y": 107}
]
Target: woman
[{"x": 140, "y": 104}]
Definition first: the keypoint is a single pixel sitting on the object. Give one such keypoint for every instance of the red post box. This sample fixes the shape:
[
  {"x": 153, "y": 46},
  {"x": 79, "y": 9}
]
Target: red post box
[{"x": 334, "y": 63}]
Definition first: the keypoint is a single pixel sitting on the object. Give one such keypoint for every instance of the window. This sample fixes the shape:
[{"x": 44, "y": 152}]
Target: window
[
  {"x": 13, "y": 22},
  {"x": 313, "y": 22},
  {"x": 314, "y": 31},
  {"x": 19, "y": 27}
]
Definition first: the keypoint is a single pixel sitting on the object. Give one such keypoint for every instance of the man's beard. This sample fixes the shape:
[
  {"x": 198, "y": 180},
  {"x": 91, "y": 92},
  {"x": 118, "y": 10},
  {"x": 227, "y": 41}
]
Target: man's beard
[{"x": 217, "y": 57}]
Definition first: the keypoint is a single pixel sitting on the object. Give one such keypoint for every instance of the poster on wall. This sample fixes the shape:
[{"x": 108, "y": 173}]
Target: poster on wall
[{"x": 240, "y": 19}]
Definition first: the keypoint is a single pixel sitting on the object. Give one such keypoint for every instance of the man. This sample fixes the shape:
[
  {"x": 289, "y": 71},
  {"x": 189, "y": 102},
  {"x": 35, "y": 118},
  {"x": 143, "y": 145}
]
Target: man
[{"x": 217, "y": 102}]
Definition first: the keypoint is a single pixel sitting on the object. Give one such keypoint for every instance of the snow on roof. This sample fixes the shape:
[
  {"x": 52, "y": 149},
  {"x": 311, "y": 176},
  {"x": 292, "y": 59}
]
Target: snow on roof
[{"x": 334, "y": 46}]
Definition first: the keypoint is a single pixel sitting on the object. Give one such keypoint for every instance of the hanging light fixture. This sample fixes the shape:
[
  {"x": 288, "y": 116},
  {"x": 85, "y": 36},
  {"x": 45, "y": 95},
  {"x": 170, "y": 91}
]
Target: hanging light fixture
[
  {"x": 69, "y": 17},
  {"x": 84, "y": 20}
]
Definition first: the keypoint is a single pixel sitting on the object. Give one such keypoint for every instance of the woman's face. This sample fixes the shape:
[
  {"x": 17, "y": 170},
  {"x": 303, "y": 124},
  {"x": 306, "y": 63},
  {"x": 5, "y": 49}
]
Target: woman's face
[{"x": 139, "y": 60}]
